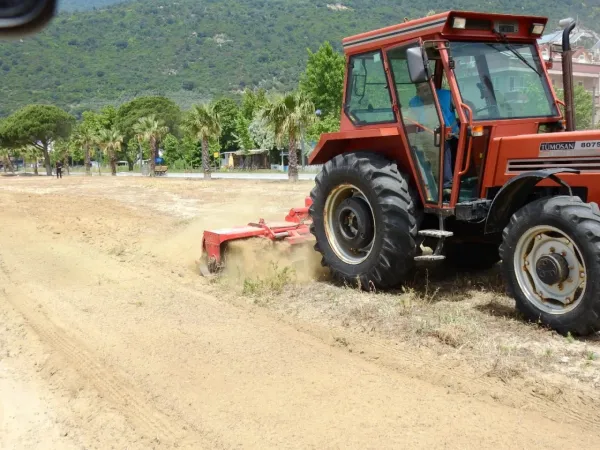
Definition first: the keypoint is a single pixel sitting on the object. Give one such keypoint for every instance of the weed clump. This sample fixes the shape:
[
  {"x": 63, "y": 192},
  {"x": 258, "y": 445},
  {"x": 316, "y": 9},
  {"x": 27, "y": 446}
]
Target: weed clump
[{"x": 272, "y": 282}]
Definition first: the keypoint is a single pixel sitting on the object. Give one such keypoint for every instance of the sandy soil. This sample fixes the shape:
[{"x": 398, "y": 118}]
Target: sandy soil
[{"x": 109, "y": 338}]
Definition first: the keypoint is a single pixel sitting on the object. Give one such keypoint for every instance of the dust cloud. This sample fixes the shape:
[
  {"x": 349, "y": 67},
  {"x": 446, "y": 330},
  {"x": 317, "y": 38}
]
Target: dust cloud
[
  {"x": 261, "y": 258},
  {"x": 256, "y": 258},
  {"x": 183, "y": 246}
]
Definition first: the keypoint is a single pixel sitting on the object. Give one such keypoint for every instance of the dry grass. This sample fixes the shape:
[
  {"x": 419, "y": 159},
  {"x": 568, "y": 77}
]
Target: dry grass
[{"x": 461, "y": 317}]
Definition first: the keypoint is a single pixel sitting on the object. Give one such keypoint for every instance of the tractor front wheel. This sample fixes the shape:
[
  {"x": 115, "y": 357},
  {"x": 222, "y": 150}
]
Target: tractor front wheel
[
  {"x": 551, "y": 260},
  {"x": 364, "y": 220}
]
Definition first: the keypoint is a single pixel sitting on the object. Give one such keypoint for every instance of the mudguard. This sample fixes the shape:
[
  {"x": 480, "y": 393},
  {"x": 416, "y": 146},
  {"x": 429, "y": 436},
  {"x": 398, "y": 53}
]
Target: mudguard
[
  {"x": 385, "y": 140},
  {"x": 513, "y": 196}
]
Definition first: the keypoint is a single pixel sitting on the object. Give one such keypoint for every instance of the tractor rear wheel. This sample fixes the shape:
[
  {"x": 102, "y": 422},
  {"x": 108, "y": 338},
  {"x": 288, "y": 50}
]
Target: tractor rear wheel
[
  {"x": 551, "y": 260},
  {"x": 364, "y": 220}
]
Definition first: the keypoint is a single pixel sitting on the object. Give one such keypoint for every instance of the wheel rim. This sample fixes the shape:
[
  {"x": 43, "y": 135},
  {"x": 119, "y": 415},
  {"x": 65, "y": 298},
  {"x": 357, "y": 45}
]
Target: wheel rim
[
  {"x": 550, "y": 270},
  {"x": 347, "y": 224}
]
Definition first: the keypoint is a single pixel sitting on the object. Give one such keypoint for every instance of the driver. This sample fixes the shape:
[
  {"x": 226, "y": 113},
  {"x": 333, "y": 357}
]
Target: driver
[{"x": 425, "y": 97}]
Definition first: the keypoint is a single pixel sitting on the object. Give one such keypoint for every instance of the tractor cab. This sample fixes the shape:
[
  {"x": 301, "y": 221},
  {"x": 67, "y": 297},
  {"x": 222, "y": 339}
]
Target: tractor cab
[
  {"x": 450, "y": 83},
  {"x": 501, "y": 89}
]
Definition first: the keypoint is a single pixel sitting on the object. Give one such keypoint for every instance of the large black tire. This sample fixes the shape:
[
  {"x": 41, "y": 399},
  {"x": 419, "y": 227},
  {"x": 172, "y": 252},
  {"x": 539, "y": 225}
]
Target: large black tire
[
  {"x": 393, "y": 207},
  {"x": 580, "y": 223},
  {"x": 471, "y": 255}
]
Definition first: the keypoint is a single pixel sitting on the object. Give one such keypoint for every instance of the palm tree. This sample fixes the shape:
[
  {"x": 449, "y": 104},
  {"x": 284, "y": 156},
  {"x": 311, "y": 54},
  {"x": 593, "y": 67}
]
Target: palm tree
[
  {"x": 152, "y": 130},
  {"x": 110, "y": 140},
  {"x": 203, "y": 123},
  {"x": 86, "y": 138},
  {"x": 287, "y": 116}
]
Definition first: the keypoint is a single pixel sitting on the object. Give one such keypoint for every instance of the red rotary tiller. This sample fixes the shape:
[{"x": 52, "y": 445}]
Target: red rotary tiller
[{"x": 294, "y": 230}]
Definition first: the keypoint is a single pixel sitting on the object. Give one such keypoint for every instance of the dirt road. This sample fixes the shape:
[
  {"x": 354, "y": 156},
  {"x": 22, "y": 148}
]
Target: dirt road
[{"x": 110, "y": 339}]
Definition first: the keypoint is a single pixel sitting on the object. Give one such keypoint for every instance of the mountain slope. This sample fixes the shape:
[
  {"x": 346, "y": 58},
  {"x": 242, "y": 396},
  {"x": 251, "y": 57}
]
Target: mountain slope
[{"x": 191, "y": 49}]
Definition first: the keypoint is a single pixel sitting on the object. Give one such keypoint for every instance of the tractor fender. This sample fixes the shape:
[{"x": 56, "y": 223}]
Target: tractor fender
[
  {"x": 513, "y": 195},
  {"x": 385, "y": 140}
]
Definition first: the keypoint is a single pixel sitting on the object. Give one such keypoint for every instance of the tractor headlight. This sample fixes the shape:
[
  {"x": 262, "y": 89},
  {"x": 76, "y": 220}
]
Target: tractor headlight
[
  {"x": 459, "y": 22},
  {"x": 537, "y": 28}
]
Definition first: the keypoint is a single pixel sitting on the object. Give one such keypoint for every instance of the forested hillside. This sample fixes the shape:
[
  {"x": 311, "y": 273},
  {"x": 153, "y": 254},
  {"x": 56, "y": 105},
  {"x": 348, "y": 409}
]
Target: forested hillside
[{"x": 191, "y": 50}]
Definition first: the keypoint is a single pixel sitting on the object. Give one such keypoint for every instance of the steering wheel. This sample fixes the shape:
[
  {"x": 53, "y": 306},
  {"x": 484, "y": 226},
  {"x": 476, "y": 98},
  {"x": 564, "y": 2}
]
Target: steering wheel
[
  {"x": 484, "y": 108},
  {"x": 493, "y": 109}
]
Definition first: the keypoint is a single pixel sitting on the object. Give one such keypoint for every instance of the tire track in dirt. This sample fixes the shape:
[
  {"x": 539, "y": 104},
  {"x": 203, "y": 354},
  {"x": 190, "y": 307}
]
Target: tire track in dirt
[
  {"x": 576, "y": 410},
  {"x": 434, "y": 372},
  {"x": 152, "y": 425},
  {"x": 40, "y": 407}
]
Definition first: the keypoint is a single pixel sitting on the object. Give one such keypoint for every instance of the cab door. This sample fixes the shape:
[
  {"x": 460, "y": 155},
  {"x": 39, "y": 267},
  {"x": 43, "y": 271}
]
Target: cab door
[{"x": 423, "y": 123}]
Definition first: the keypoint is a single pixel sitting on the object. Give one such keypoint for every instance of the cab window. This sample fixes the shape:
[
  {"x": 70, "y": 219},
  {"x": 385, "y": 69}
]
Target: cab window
[{"x": 368, "y": 98}]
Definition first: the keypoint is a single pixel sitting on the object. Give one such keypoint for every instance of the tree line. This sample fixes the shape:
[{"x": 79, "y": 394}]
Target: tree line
[
  {"x": 136, "y": 130},
  {"x": 257, "y": 119}
]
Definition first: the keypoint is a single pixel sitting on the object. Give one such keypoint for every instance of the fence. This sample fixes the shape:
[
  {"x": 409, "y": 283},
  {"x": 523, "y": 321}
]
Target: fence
[
  {"x": 310, "y": 169},
  {"x": 313, "y": 169},
  {"x": 145, "y": 169}
]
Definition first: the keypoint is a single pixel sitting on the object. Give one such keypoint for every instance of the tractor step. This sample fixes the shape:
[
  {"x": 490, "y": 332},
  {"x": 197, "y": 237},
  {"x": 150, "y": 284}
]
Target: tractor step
[
  {"x": 436, "y": 233},
  {"x": 430, "y": 258}
]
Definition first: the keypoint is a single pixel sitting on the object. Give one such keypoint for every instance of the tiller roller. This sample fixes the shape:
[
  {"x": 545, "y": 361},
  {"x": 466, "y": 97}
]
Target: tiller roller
[{"x": 294, "y": 230}]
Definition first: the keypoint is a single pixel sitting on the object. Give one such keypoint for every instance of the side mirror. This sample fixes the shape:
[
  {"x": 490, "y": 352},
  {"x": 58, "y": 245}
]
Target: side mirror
[
  {"x": 417, "y": 67},
  {"x": 19, "y": 18}
]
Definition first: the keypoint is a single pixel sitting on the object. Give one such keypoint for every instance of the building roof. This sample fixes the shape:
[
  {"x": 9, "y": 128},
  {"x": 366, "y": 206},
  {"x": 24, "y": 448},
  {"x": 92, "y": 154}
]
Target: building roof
[{"x": 580, "y": 36}]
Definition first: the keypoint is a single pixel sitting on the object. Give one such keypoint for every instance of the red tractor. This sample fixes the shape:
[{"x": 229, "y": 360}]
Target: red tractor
[{"x": 452, "y": 138}]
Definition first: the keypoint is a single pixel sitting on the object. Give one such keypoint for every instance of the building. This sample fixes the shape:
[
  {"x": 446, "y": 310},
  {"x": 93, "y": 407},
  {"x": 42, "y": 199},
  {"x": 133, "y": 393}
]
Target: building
[
  {"x": 586, "y": 61},
  {"x": 250, "y": 159},
  {"x": 263, "y": 158}
]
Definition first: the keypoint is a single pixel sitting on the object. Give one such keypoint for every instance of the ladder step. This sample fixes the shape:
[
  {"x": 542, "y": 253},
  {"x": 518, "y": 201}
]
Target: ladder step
[
  {"x": 430, "y": 258},
  {"x": 436, "y": 233}
]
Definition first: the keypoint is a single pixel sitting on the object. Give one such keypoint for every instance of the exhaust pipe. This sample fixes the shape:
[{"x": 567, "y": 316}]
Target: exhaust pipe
[{"x": 567, "y": 68}]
